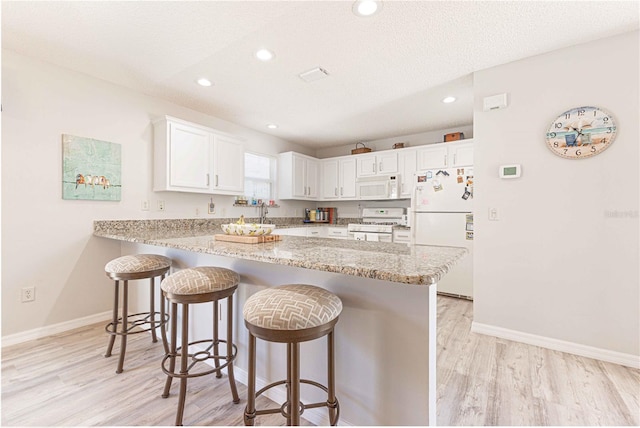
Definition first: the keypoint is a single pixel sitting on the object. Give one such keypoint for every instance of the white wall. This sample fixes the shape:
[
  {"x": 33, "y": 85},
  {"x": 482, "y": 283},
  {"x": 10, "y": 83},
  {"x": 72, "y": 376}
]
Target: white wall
[
  {"x": 558, "y": 264},
  {"x": 46, "y": 241}
]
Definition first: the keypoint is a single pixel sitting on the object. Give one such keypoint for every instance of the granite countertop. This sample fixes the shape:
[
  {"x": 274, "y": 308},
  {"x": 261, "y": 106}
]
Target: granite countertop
[{"x": 417, "y": 265}]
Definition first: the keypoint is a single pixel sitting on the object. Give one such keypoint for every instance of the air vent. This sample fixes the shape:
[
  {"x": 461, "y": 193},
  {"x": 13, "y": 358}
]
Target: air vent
[{"x": 314, "y": 74}]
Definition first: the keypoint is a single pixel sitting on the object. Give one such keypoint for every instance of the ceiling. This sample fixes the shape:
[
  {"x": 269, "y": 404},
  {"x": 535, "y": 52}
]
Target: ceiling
[{"x": 387, "y": 73}]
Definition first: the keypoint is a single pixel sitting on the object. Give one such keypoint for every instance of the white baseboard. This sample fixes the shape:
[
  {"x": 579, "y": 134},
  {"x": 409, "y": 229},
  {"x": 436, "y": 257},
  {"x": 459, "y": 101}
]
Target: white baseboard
[
  {"x": 628, "y": 360},
  {"x": 37, "y": 333}
]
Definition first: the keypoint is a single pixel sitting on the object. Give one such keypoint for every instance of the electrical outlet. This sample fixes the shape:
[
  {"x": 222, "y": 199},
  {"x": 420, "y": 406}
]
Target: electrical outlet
[
  {"x": 197, "y": 212},
  {"x": 160, "y": 205},
  {"x": 28, "y": 294},
  {"x": 144, "y": 205}
]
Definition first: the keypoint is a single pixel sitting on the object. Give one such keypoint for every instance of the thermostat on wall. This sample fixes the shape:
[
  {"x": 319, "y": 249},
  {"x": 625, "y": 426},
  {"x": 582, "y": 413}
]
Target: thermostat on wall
[{"x": 510, "y": 171}]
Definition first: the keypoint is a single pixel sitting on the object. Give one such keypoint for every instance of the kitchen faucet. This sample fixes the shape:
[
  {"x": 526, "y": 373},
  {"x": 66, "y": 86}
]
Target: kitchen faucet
[{"x": 263, "y": 213}]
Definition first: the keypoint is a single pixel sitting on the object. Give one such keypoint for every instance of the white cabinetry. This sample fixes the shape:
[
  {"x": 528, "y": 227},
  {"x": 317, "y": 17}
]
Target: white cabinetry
[
  {"x": 402, "y": 236},
  {"x": 445, "y": 155},
  {"x": 432, "y": 156},
  {"x": 228, "y": 164},
  {"x": 297, "y": 176},
  {"x": 406, "y": 167},
  {"x": 337, "y": 232},
  {"x": 381, "y": 163},
  {"x": 339, "y": 178},
  {"x": 461, "y": 154},
  {"x": 334, "y": 232},
  {"x": 193, "y": 158}
]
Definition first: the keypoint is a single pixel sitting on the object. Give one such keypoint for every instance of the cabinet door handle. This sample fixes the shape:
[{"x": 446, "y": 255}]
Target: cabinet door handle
[
  {"x": 341, "y": 191},
  {"x": 207, "y": 180},
  {"x": 454, "y": 158},
  {"x": 335, "y": 191},
  {"x": 380, "y": 167},
  {"x": 216, "y": 180},
  {"x": 375, "y": 168},
  {"x": 445, "y": 160}
]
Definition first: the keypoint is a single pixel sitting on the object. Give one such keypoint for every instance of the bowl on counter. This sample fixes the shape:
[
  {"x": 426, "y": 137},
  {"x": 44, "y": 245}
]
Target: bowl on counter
[{"x": 248, "y": 229}]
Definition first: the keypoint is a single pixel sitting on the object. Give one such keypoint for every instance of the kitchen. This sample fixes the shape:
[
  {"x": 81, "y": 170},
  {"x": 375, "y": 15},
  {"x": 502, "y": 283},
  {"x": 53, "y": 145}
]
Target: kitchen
[{"x": 520, "y": 265}]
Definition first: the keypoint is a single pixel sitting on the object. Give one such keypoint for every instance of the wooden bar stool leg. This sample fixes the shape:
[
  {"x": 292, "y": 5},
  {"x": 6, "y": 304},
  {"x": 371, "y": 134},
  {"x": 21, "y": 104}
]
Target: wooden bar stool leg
[
  {"x": 173, "y": 351},
  {"x": 295, "y": 384},
  {"x": 125, "y": 324},
  {"x": 250, "y": 411},
  {"x": 232, "y": 379},
  {"x": 184, "y": 359},
  {"x": 112, "y": 337},
  {"x": 216, "y": 338}
]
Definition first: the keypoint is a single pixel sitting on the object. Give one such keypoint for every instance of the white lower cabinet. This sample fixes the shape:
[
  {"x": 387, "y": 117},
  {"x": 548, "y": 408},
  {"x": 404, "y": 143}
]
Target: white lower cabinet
[
  {"x": 335, "y": 232},
  {"x": 402, "y": 236},
  {"x": 193, "y": 158}
]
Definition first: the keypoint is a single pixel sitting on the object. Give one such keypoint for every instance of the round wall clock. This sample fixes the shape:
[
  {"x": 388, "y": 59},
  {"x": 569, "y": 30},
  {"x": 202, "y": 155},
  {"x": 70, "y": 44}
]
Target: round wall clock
[{"x": 581, "y": 132}]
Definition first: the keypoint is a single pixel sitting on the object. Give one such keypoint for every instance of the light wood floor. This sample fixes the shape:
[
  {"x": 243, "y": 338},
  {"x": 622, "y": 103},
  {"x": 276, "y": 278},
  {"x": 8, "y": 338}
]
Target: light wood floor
[{"x": 65, "y": 380}]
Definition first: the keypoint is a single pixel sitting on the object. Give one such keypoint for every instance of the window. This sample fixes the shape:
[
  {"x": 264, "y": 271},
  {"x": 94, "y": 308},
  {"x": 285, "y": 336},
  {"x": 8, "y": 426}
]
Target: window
[{"x": 259, "y": 173}]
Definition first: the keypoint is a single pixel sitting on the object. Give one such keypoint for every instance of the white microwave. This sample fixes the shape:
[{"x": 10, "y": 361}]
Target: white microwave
[{"x": 378, "y": 187}]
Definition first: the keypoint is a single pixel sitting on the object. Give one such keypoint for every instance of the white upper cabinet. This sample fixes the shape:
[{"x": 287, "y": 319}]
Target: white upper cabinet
[
  {"x": 432, "y": 156},
  {"x": 461, "y": 154},
  {"x": 382, "y": 163},
  {"x": 330, "y": 179},
  {"x": 228, "y": 164},
  {"x": 406, "y": 167},
  {"x": 193, "y": 158},
  {"x": 297, "y": 176},
  {"x": 339, "y": 178},
  {"x": 445, "y": 155}
]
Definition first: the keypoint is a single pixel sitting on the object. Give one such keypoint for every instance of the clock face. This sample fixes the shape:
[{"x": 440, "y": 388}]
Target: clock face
[{"x": 581, "y": 132}]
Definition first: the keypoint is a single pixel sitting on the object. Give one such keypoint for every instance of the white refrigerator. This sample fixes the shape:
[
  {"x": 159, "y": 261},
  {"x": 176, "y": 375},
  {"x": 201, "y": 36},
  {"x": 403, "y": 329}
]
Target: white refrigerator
[{"x": 442, "y": 215}]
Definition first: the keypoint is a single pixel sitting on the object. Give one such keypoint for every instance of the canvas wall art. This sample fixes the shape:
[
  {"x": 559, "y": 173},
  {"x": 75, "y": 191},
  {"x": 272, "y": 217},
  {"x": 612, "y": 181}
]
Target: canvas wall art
[{"x": 91, "y": 169}]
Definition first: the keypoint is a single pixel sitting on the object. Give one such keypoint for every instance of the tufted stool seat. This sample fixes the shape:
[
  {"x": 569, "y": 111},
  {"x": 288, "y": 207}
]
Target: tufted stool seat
[
  {"x": 199, "y": 285},
  {"x": 132, "y": 267},
  {"x": 292, "y": 314}
]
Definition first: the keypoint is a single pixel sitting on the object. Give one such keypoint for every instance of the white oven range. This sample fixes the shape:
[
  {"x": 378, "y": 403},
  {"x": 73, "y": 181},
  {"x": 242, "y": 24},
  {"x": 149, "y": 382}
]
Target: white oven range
[{"x": 377, "y": 224}]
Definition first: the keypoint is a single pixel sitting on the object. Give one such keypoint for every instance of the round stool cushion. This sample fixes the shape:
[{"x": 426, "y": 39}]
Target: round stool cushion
[
  {"x": 292, "y": 307},
  {"x": 199, "y": 280},
  {"x": 137, "y": 263}
]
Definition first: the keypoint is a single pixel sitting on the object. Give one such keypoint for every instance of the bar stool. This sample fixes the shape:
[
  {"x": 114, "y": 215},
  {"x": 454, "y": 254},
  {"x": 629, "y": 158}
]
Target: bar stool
[
  {"x": 292, "y": 314},
  {"x": 199, "y": 285},
  {"x": 126, "y": 268}
]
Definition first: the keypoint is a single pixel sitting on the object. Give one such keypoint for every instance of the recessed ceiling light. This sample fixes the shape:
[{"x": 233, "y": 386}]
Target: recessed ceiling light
[
  {"x": 272, "y": 126},
  {"x": 366, "y": 7},
  {"x": 264, "y": 55},
  {"x": 448, "y": 100},
  {"x": 204, "y": 82}
]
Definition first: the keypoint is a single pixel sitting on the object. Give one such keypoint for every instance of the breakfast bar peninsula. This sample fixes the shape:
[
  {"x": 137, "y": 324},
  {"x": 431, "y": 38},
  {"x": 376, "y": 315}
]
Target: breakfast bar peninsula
[{"x": 385, "y": 338}]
